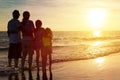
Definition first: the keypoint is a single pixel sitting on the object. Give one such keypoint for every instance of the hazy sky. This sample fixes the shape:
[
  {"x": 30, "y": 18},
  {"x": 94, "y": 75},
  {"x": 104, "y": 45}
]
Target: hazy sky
[{"x": 66, "y": 14}]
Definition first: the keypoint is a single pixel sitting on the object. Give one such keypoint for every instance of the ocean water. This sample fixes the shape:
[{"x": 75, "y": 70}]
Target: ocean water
[{"x": 74, "y": 45}]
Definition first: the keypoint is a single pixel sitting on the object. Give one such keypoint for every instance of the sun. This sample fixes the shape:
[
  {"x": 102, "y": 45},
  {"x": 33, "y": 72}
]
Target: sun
[{"x": 96, "y": 17}]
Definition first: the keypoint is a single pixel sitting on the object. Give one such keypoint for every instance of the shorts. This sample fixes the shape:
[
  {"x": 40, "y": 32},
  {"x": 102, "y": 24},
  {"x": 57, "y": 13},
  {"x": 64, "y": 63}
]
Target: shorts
[
  {"x": 14, "y": 51},
  {"x": 38, "y": 45},
  {"x": 27, "y": 45},
  {"x": 48, "y": 49}
]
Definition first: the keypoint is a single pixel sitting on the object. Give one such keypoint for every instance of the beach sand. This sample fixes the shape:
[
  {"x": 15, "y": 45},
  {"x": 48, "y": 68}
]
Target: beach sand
[{"x": 103, "y": 68}]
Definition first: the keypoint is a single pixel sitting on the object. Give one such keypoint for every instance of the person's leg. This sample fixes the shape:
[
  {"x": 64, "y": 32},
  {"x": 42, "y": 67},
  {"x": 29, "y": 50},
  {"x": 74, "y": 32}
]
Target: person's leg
[
  {"x": 44, "y": 60},
  {"x": 44, "y": 63},
  {"x": 17, "y": 53},
  {"x": 31, "y": 52},
  {"x": 23, "y": 76},
  {"x": 24, "y": 53},
  {"x": 9, "y": 62},
  {"x": 30, "y": 58},
  {"x": 37, "y": 58},
  {"x": 10, "y": 55},
  {"x": 49, "y": 52},
  {"x": 50, "y": 62},
  {"x": 16, "y": 63},
  {"x": 23, "y": 58}
]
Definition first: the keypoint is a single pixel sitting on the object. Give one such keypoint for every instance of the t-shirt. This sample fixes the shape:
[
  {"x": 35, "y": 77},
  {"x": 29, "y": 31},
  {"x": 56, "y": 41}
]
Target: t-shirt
[
  {"x": 27, "y": 30},
  {"x": 38, "y": 34},
  {"x": 47, "y": 38},
  {"x": 13, "y": 29},
  {"x": 46, "y": 41}
]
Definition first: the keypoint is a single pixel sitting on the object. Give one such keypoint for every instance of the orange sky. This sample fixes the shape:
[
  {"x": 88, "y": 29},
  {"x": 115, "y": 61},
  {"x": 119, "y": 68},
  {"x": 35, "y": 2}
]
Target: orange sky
[{"x": 65, "y": 15}]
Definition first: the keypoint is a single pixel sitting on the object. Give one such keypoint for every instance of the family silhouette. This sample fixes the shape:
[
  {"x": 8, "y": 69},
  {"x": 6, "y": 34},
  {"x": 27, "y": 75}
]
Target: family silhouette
[{"x": 25, "y": 40}]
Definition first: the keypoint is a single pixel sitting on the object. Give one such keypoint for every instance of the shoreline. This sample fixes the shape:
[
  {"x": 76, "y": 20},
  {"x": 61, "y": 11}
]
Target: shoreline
[
  {"x": 57, "y": 60},
  {"x": 104, "y": 68}
]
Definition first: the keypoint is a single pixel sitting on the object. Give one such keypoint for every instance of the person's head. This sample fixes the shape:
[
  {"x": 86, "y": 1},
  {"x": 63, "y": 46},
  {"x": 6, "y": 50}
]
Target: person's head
[
  {"x": 47, "y": 33},
  {"x": 26, "y": 15},
  {"x": 16, "y": 14},
  {"x": 48, "y": 30},
  {"x": 38, "y": 23}
]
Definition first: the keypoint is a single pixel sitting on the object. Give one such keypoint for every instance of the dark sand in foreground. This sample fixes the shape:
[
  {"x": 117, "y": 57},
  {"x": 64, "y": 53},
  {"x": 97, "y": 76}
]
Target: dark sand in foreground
[{"x": 103, "y": 68}]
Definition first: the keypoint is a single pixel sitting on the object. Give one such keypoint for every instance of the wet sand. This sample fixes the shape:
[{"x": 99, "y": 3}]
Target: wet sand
[{"x": 103, "y": 68}]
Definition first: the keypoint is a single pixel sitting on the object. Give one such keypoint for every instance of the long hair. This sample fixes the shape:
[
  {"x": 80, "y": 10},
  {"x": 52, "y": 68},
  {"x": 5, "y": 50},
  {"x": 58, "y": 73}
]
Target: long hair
[
  {"x": 49, "y": 32},
  {"x": 26, "y": 16}
]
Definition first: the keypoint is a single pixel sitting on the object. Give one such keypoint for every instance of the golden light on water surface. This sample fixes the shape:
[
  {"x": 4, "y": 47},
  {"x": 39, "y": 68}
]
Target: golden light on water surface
[
  {"x": 97, "y": 43},
  {"x": 99, "y": 61},
  {"x": 97, "y": 33}
]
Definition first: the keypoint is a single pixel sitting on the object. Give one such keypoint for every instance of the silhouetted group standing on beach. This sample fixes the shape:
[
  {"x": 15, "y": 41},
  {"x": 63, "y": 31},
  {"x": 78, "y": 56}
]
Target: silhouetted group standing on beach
[{"x": 25, "y": 39}]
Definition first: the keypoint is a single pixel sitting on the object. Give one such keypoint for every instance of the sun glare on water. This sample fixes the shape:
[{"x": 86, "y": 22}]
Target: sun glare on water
[
  {"x": 97, "y": 43},
  {"x": 97, "y": 33},
  {"x": 99, "y": 61},
  {"x": 96, "y": 17}
]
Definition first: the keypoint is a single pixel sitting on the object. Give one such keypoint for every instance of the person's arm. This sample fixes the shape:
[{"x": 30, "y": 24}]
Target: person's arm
[
  {"x": 32, "y": 27},
  {"x": 8, "y": 29},
  {"x": 50, "y": 36},
  {"x": 12, "y": 31}
]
